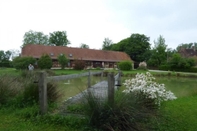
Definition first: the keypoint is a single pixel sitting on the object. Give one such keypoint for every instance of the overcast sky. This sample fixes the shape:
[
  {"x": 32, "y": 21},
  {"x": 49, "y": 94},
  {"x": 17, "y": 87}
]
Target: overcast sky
[{"x": 90, "y": 21}]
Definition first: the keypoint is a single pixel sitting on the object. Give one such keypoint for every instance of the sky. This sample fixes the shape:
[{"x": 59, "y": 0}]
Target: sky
[{"x": 91, "y": 21}]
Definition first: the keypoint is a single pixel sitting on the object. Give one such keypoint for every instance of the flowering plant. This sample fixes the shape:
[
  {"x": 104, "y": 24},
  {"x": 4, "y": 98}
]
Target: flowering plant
[
  {"x": 143, "y": 64},
  {"x": 145, "y": 84}
]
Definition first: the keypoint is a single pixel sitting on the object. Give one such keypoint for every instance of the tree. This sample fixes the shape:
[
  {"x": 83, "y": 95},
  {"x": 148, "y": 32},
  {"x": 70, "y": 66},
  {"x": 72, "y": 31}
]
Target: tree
[
  {"x": 107, "y": 44},
  {"x": 58, "y": 38},
  {"x": 33, "y": 37},
  {"x": 137, "y": 46},
  {"x": 5, "y": 58},
  {"x": 14, "y": 53},
  {"x": 45, "y": 62},
  {"x": 84, "y": 46},
  {"x": 159, "y": 54},
  {"x": 62, "y": 60}
]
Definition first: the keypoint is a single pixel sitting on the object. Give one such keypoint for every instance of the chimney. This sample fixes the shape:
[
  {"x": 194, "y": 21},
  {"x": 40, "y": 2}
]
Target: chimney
[{"x": 194, "y": 48}]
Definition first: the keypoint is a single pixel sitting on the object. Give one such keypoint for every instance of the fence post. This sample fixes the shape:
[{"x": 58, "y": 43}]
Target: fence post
[
  {"x": 102, "y": 75},
  {"x": 119, "y": 78},
  {"x": 111, "y": 81},
  {"x": 42, "y": 84},
  {"x": 89, "y": 79}
]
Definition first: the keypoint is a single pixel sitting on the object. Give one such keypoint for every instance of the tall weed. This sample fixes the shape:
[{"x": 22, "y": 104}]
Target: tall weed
[
  {"x": 10, "y": 87},
  {"x": 127, "y": 113}
]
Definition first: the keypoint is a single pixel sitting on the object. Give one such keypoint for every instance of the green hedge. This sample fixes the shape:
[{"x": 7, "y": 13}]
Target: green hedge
[
  {"x": 167, "y": 68},
  {"x": 45, "y": 62},
  {"x": 125, "y": 65},
  {"x": 23, "y": 62},
  {"x": 5, "y": 64}
]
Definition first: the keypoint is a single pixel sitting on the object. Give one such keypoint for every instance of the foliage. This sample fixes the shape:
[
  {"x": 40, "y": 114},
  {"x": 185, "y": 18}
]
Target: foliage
[
  {"x": 62, "y": 60},
  {"x": 45, "y": 62},
  {"x": 14, "y": 53},
  {"x": 137, "y": 46},
  {"x": 23, "y": 90},
  {"x": 142, "y": 66},
  {"x": 9, "y": 88},
  {"x": 84, "y": 46},
  {"x": 5, "y": 58},
  {"x": 145, "y": 85},
  {"x": 58, "y": 38},
  {"x": 178, "y": 62},
  {"x": 107, "y": 44},
  {"x": 79, "y": 64},
  {"x": 126, "y": 114},
  {"x": 159, "y": 54},
  {"x": 33, "y": 37},
  {"x": 23, "y": 62},
  {"x": 125, "y": 65}
]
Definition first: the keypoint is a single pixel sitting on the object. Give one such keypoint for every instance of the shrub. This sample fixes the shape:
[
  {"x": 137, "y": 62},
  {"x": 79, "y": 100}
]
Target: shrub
[
  {"x": 5, "y": 64},
  {"x": 142, "y": 66},
  {"x": 22, "y": 62},
  {"x": 9, "y": 88},
  {"x": 165, "y": 67},
  {"x": 30, "y": 94},
  {"x": 127, "y": 113},
  {"x": 79, "y": 64},
  {"x": 22, "y": 90},
  {"x": 145, "y": 86},
  {"x": 125, "y": 65},
  {"x": 62, "y": 60},
  {"x": 45, "y": 62}
]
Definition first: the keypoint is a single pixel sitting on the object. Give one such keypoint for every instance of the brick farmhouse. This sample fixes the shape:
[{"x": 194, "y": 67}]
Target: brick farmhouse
[{"x": 92, "y": 57}]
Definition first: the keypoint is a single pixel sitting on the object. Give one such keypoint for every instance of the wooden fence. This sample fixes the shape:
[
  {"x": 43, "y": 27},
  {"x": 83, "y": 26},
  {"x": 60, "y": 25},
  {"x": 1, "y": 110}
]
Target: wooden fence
[{"x": 43, "y": 80}]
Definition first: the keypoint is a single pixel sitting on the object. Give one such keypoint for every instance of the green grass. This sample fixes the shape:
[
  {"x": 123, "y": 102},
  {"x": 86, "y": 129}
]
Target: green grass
[
  {"x": 14, "y": 120},
  {"x": 181, "y": 87},
  {"x": 177, "y": 115},
  {"x": 10, "y": 71},
  {"x": 180, "y": 114}
]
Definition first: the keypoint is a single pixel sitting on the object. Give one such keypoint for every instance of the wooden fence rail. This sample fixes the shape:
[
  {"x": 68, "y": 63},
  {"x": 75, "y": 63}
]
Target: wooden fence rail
[
  {"x": 72, "y": 76},
  {"x": 43, "y": 80}
]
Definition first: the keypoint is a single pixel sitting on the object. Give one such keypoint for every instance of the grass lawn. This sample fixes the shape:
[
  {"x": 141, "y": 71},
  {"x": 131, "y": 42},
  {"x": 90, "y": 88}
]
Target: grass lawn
[
  {"x": 177, "y": 115},
  {"x": 11, "y": 71},
  {"x": 14, "y": 120}
]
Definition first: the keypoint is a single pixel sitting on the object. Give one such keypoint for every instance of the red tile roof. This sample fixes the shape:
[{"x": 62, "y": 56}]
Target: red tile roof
[{"x": 37, "y": 51}]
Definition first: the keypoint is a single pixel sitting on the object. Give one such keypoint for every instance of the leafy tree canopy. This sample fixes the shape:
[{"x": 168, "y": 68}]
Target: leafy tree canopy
[
  {"x": 159, "y": 52},
  {"x": 137, "y": 46},
  {"x": 58, "y": 38},
  {"x": 62, "y": 60},
  {"x": 45, "y": 62},
  {"x": 4, "y": 56},
  {"x": 107, "y": 44},
  {"x": 33, "y": 37},
  {"x": 84, "y": 46},
  {"x": 14, "y": 53}
]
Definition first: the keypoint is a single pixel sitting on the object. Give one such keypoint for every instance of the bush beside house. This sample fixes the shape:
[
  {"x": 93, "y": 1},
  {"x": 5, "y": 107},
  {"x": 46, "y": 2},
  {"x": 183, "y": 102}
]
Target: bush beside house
[
  {"x": 45, "y": 62},
  {"x": 125, "y": 65},
  {"x": 23, "y": 62}
]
